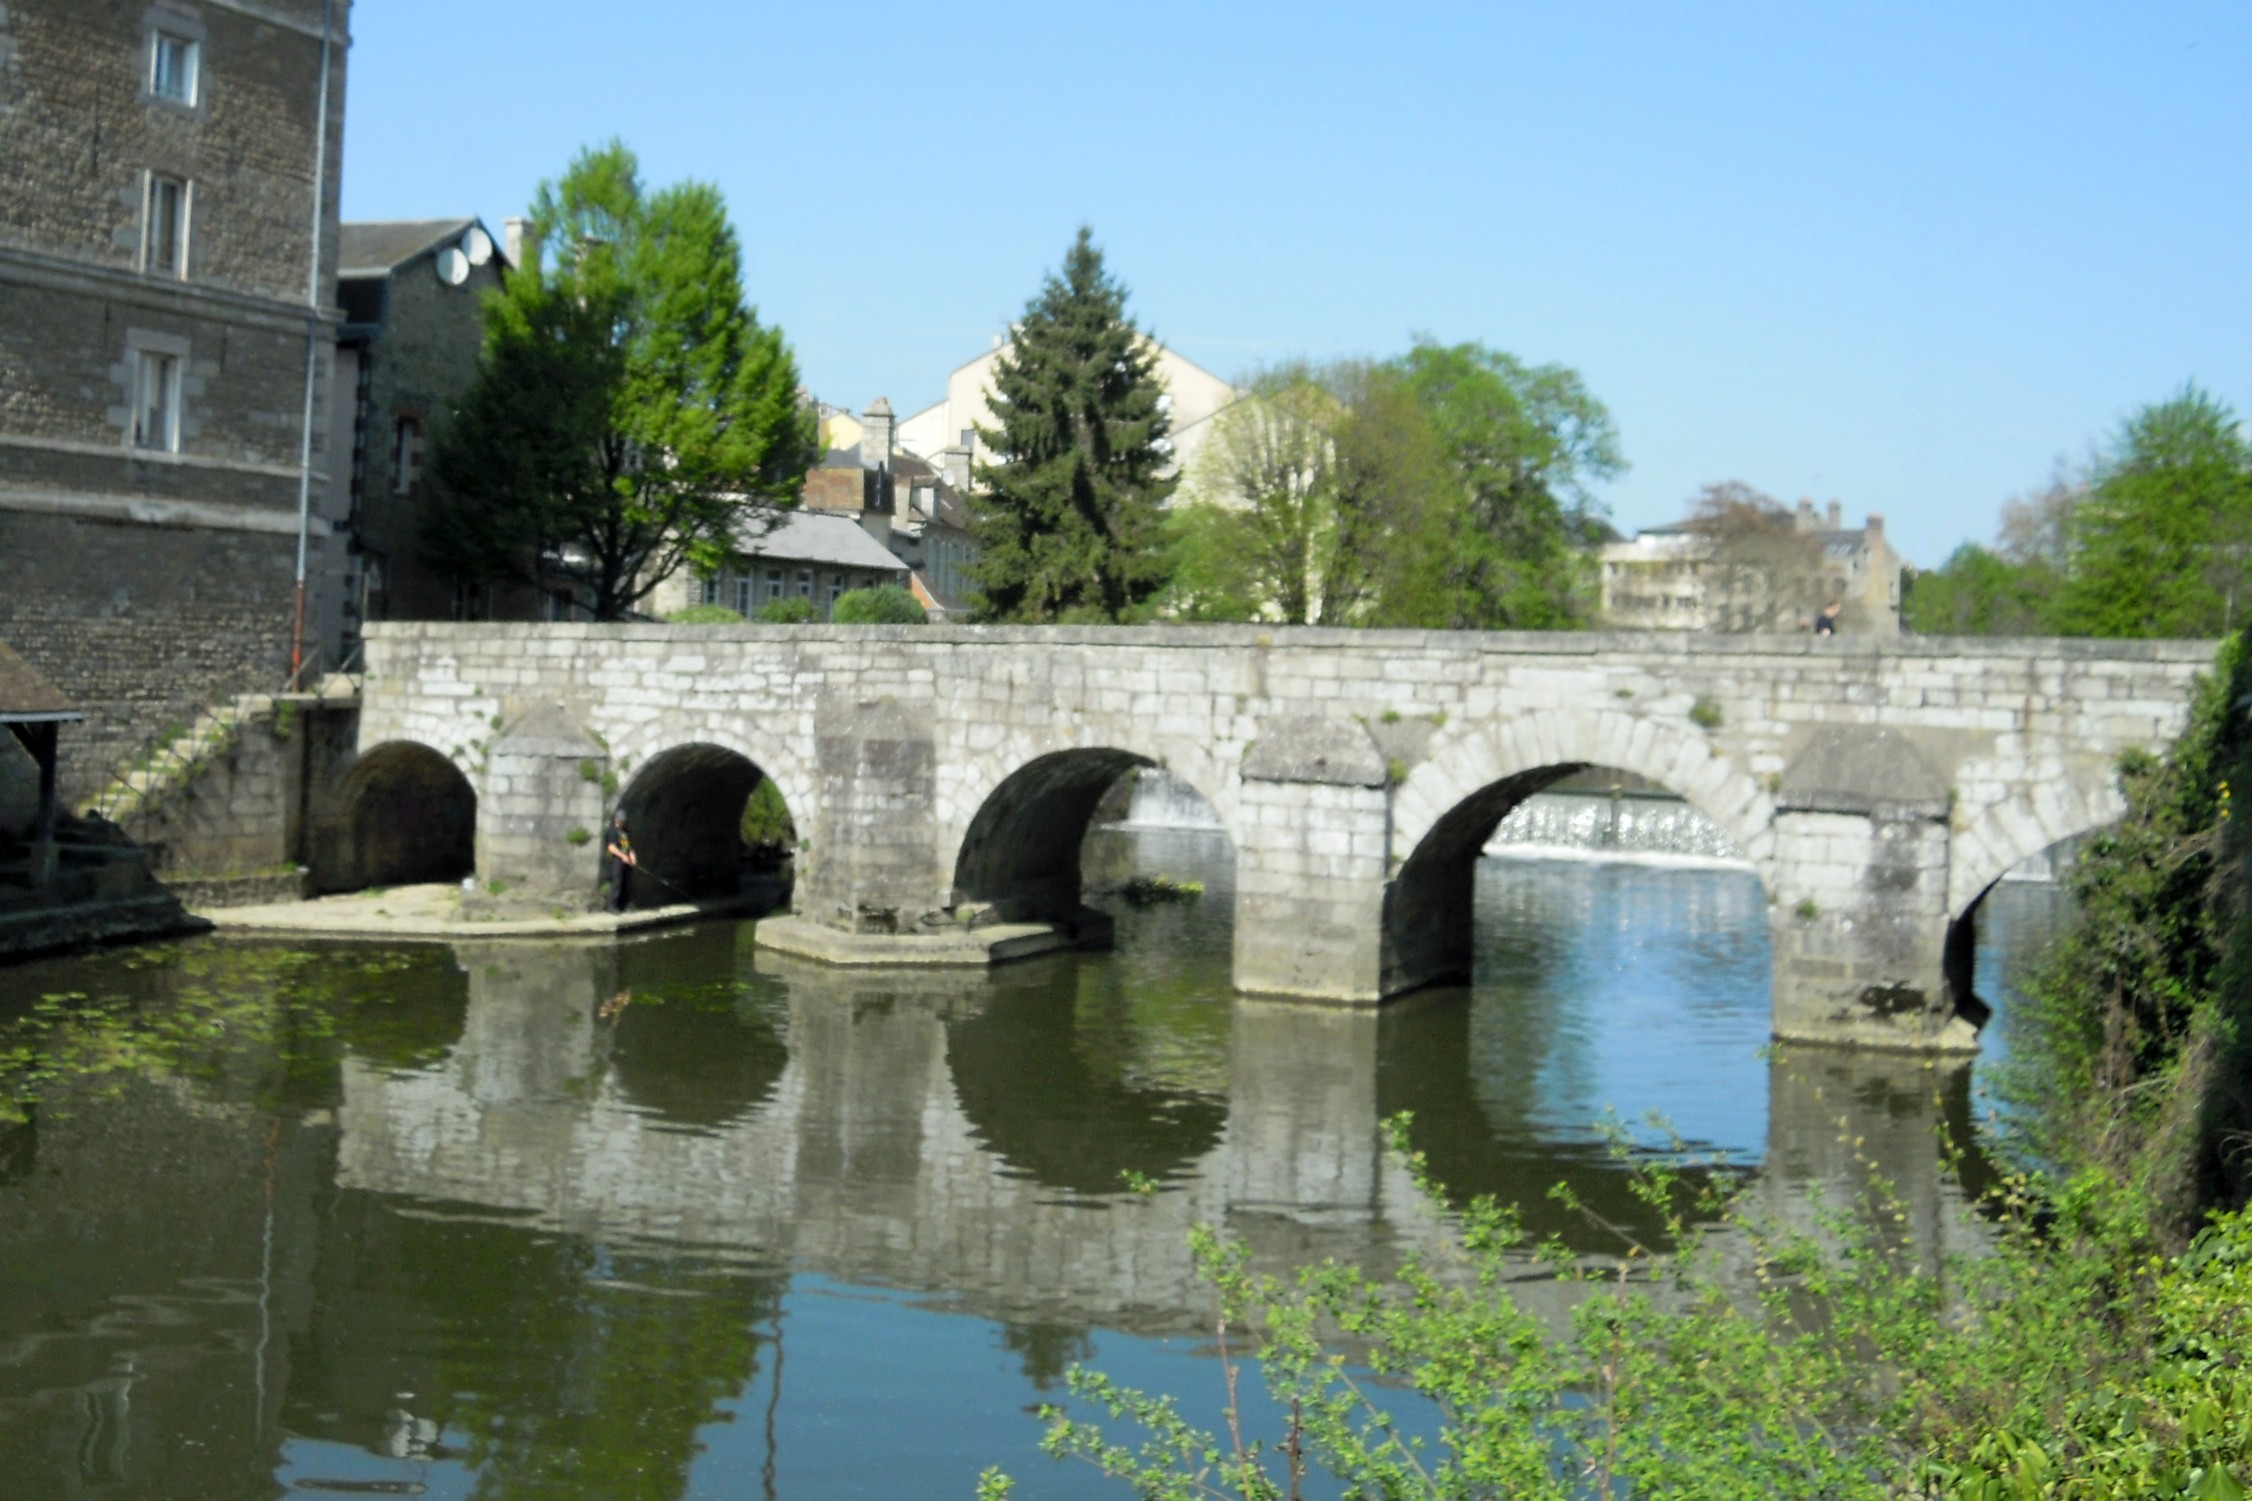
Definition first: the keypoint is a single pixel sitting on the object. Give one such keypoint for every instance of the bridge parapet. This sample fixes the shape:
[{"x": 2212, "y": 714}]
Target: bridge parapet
[{"x": 1877, "y": 785}]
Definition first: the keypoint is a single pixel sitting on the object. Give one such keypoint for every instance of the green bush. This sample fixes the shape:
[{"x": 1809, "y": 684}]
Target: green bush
[
  {"x": 785, "y": 612},
  {"x": 767, "y": 826},
  {"x": 886, "y": 604},
  {"x": 704, "y": 615}
]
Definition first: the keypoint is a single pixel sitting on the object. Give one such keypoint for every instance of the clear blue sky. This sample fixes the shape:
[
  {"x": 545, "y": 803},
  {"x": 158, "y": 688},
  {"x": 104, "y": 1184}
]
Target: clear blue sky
[{"x": 1904, "y": 255}]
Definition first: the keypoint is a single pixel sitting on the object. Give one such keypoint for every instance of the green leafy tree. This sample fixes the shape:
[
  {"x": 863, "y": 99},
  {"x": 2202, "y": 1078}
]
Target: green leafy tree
[
  {"x": 1071, "y": 518},
  {"x": 630, "y": 416},
  {"x": 1526, "y": 442},
  {"x": 885, "y": 604},
  {"x": 1977, "y": 592},
  {"x": 2162, "y": 545},
  {"x": 1320, "y": 499}
]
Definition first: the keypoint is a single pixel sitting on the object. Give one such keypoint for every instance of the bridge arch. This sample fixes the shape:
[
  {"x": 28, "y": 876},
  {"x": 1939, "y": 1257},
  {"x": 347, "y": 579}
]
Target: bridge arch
[
  {"x": 685, "y": 810},
  {"x": 1020, "y": 849},
  {"x": 2007, "y": 832},
  {"x": 403, "y": 814},
  {"x": 1447, "y": 808}
]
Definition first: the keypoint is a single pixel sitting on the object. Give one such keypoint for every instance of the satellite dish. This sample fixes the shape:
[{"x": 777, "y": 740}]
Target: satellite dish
[
  {"x": 477, "y": 245},
  {"x": 453, "y": 266}
]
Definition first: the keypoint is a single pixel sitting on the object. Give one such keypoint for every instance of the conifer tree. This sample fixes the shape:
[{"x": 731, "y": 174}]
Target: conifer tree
[{"x": 1071, "y": 516}]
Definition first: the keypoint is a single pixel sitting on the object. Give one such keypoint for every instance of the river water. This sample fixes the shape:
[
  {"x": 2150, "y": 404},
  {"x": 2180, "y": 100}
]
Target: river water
[{"x": 671, "y": 1219}]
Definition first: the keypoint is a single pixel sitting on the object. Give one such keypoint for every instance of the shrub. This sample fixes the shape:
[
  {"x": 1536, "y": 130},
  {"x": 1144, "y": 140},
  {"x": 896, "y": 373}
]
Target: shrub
[
  {"x": 785, "y": 612},
  {"x": 704, "y": 615},
  {"x": 887, "y": 604},
  {"x": 767, "y": 826}
]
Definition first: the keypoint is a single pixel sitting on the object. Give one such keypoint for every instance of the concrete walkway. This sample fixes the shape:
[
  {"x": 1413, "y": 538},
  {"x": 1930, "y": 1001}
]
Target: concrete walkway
[{"x": 434, "y": 912}]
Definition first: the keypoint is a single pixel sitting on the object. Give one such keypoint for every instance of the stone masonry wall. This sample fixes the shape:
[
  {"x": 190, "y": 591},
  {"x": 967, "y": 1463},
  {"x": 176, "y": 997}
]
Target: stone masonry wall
[{"x": 2022, "y": 736}]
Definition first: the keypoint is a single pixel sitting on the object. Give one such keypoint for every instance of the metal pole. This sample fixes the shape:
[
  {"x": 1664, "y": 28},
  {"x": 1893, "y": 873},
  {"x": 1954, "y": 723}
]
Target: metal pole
[{"x": 312, "y": 349}]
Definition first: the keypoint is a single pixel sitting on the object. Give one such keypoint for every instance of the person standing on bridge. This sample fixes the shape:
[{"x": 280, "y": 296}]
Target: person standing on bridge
[
  {"x": 619, "y": 857},
  {"x": 1826, "y": 623}
]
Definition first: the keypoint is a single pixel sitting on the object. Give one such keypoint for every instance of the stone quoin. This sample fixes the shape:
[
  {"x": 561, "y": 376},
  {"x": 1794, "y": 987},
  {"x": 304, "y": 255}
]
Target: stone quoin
[{"x": 1878, "y": 787}]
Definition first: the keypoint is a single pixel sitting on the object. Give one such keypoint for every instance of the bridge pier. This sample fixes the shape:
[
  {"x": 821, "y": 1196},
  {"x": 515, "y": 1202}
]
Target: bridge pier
[{"x": 540, "y": 815}]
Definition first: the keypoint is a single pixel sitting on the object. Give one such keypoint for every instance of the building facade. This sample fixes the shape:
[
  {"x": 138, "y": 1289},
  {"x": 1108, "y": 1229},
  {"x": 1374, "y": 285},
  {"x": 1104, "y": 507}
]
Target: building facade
[
  {"x": 1679, "y": 578},
  {"x": 813, "y": 555},
  {"x": 903, "y": 501},
  {"x": 412, "y": 294},
  {"x": 168, "y": 244}
]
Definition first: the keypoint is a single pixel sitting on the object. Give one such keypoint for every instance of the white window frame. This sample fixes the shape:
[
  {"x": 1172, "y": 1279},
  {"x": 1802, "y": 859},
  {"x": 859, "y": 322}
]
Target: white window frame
[
  {"x": 745, "y": 588},
  {"x": 708, "y": 592},
  {"x": 406, "y": 454},
  {"x": 805, "y": 584},
  {"x": 156, "y": 372},
  {"x": 773, "y": 584},
  {"x": 184, "y": 206},
  {"x": 189, "y": 74}
]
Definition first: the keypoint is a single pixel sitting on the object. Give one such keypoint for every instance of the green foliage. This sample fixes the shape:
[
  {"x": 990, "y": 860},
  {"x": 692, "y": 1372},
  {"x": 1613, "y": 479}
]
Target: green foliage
[
  {"x": 2131, "y": 1070},
  {"x": 630, "y": 416},
  {"x": 1071, "y": 521},
  {"x": 1152, "y": 891},
  {"x": 577, "y": 837},
  {"x": 886, "y": 604},
  {"x": 704, "y": 615},
  {"x": 2162, "y": 546},
  {"x": 1524, "y": 442},
  {"x": 1705, "y": 713},
  {"x": 767, "y": 827},
  {"x": 791, "y": 611},
  {"x": 1322, "y": 498},
  {"x": 1979, "y": 593}
]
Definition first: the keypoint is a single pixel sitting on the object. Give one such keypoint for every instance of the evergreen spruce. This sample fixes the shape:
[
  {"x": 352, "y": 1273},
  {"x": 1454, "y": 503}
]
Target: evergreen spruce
[{"x": 1071, "y": 516}]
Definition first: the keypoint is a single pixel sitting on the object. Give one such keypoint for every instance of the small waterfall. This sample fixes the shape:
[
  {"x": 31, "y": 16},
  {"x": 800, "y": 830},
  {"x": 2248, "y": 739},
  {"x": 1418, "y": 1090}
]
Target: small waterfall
[
  {"x": 1596, "y": 826},
  {"x": 1163, "y": 801}
]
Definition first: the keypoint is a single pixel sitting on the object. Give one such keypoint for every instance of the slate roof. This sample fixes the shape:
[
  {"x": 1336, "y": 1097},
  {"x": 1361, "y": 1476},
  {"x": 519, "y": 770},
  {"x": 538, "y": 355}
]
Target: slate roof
[
  {"x": 25, "y": 696},
  {"x": 830, "y": 538},
  {"x": 378, "y": 247}
]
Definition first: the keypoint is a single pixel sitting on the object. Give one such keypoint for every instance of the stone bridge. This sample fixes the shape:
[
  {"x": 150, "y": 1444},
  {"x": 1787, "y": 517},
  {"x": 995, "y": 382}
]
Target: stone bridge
[{"x": 940, "y": 775}]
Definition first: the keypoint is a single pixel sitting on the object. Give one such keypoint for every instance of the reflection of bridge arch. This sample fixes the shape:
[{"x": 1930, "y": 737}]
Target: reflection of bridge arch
[
  {"x": 1021, "y": 849},
  {"x": 405, "y": 814}
]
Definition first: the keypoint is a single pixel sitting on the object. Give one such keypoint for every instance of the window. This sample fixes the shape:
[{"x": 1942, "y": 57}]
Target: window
[
  {"x": 805, "y": 583},
  {"x": 709, "y": 593},
  {"x": 173, "y": 62},
  {"x": 744, "y": 604},
  {"x": 406, "y": 455},
  {"x": 773, "y": 583},
  {"x": 164, "y": 227},
  {"x": 156, "y": 401}
]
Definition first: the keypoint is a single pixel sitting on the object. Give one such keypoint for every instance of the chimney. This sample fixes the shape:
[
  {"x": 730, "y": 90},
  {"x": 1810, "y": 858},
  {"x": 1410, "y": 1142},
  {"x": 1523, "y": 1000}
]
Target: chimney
[
  {"x": 521, "y": 244},
  {"x": 1804, "y": 521},
  {"x": 875, "y": 435},
  {"x": 954, "y": 466},
  {"x": 1874, "y": 530},
  {"x": 1837, "y": 516}
]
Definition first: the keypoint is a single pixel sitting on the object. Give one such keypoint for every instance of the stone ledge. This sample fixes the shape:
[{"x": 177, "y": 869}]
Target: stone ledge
[
  {"x": 433, "y": 912},
  {"x": 947, "y": 949}
]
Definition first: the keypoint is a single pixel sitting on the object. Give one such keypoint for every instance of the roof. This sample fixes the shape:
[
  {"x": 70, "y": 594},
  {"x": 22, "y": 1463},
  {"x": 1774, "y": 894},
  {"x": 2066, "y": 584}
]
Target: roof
[
  {"x": 833, "y": 538},
  {"x": 378, "y": 247},
  {"x": 25, "y": 696}
]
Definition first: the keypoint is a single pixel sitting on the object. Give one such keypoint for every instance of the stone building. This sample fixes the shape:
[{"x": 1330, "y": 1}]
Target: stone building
[
  {"x": 168, "y": 218},
  {"x": 411, "y": 293},
  {"x": 1672, "y": 578}
]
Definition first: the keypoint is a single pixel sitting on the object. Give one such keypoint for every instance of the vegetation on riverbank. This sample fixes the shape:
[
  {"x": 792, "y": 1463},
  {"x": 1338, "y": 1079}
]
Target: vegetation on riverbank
[{"x": 2097, "y": 1349}]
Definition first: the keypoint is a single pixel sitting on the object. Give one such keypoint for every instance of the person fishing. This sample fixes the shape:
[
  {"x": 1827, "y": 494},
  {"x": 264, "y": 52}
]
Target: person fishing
[
  {"x": 619, "y": 857},
  {"x": 1826, "y": 623}
]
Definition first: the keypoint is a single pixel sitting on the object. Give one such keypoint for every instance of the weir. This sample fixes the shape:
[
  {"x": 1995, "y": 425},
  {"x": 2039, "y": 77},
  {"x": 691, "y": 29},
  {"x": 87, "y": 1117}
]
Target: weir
[{"x": 942, "y": 778}]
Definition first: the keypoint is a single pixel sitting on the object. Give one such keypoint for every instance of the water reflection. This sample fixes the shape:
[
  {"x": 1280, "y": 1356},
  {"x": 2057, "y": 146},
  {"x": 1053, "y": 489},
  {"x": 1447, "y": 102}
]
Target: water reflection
[{"x": 673, "y": 1218}]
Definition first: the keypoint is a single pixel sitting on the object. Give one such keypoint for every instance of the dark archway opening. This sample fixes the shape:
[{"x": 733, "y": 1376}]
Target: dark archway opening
[
  {"x": 407, "y": 815},
  {"x": 1997, "y": 942},
  {"x": 1022, "y": 855},
  {"x": 707, "y": 823}
]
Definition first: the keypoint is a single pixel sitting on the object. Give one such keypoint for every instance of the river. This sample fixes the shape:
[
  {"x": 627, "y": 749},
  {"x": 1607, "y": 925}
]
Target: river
[{"x": 671, "y": 1219}]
